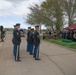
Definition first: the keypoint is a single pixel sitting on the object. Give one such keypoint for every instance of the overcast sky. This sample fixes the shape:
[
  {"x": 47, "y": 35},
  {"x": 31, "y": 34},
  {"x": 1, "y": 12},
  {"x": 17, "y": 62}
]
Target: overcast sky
[{"x": 13, "y": 11}]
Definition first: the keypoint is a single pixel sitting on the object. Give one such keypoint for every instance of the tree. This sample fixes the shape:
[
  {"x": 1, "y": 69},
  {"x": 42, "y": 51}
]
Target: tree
[
  {"x": 34, "y": 18},
  {"x": 54, "y": 13},
  {"x": 69, "y": 7}
]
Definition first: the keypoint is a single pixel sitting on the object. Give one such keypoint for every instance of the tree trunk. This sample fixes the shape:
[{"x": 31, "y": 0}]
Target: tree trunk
[
  {"x": 40, "y": 28},
  {"x": 70, "y": 21}
]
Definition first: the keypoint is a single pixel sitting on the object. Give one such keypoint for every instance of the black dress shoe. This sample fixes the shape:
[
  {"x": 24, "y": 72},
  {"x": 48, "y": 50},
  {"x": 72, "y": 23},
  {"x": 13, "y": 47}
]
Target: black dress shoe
[
  {"x": 19, "y": 60},
  {"x": 37, "y": 59},
  {"x": 30, "y": 53}
]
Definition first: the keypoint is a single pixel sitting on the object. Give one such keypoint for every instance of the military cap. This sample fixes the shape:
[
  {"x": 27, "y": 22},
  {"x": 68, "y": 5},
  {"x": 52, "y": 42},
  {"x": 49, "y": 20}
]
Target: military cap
[
  {"x": 32, "y": 29},
  {"x": 29, "y": 27},
  {"x": 18, "y": 24},
  {"x": 37, "y": 26}
]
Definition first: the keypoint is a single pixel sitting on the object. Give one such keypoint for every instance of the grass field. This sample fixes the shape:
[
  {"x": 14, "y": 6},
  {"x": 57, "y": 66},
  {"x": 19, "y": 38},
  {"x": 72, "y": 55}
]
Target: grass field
[{"x": 60, "y": 41}]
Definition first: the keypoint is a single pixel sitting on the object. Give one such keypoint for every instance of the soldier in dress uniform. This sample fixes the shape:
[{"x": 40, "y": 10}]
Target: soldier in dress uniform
[
  {"x": 36, "y": 43},
  {"x": 16, "y": 42},
  {"x": 28, "y": 39},
  {"x": 31, "y": 41},
  {"x": 13, "y": 39}
]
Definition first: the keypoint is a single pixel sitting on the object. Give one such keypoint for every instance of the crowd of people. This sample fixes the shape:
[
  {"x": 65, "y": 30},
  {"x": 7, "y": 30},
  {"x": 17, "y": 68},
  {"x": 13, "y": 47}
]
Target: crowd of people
[
  {"x": 49, "y": 34},
  {"x": 33, "y": 42},
  {"x": 69, "y": 34},
  {"x": 65, "y": 34},
  {"x": 2, "y": 33}
]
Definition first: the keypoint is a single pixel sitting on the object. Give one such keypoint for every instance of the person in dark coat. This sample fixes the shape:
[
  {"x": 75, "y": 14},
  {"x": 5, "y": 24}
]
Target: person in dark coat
[
  {"x": 68, "y": 35},
  {"x": 74, "y": 36},
  {"x": 28, "y": 39},
  {"x": 16, "y": 42},
  {"x": 31, "y": 41},
  {"x": 2, "y": 33},
  {"x": 36, "y": 43},
  {"x": 13, "y": 39},
  {"x": 71, "y": 35},
  {"x": 13, "y": 32},
  {"x": 64, "y": 34},
  {"x": 49, "y": 33}
]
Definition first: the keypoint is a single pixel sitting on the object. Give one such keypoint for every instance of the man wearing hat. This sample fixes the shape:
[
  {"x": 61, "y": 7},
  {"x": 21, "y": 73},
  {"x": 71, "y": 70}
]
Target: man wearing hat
[
  {"x": 28, "y": 39},
  {"x": 31, "y": 41},
  {"x": 13, "y": 38},
  {"x": 36, "y": 43},
  {"x": 16, "y": 42}
]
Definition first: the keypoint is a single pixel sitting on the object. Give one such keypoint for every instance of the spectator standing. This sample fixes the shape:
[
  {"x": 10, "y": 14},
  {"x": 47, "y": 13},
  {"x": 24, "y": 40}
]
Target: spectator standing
[
  {"x": 74, "y": 36},
  {"x": 49, "y": 33},
  {"x": 36, "y": 43},
  {"x": 71, "y": 35}
]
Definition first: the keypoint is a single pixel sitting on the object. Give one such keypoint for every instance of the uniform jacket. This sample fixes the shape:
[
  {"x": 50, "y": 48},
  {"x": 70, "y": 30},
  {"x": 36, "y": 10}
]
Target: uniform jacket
[
  {"x": 32, "y": 38},
  {"x": 36, "y": 38},
  {"x": 28, "y": 36},
  {"x": 16, "y": 37}
]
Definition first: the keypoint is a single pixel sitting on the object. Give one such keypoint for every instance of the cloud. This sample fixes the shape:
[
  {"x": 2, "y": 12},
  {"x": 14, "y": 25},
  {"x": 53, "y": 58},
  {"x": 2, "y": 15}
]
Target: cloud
[
  {"x": 16, "y": 0},
  {"x": 10, "y": 24},
  {"x": 5, "y": 8},
  {"x": 16, "y": 7}
]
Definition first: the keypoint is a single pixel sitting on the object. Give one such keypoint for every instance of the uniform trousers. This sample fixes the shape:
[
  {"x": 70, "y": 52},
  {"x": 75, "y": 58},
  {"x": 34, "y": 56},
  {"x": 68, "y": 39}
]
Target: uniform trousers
[
  {"x": 36, "y": 51},
  {"x": 31, "y": 49},
  {"x": 16, "y": 52},
  {"x": 28, "y": 46}
]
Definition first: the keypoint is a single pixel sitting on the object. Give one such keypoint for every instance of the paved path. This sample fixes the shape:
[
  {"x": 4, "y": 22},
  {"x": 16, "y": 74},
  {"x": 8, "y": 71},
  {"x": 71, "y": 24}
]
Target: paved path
[{"x": 55, "y": 60}]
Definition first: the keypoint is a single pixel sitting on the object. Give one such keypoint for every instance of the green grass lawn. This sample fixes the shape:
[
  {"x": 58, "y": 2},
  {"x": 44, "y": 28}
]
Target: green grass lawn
[
  {"x": 73, "y": 46},
  {"x": 62, "y": 42}
]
